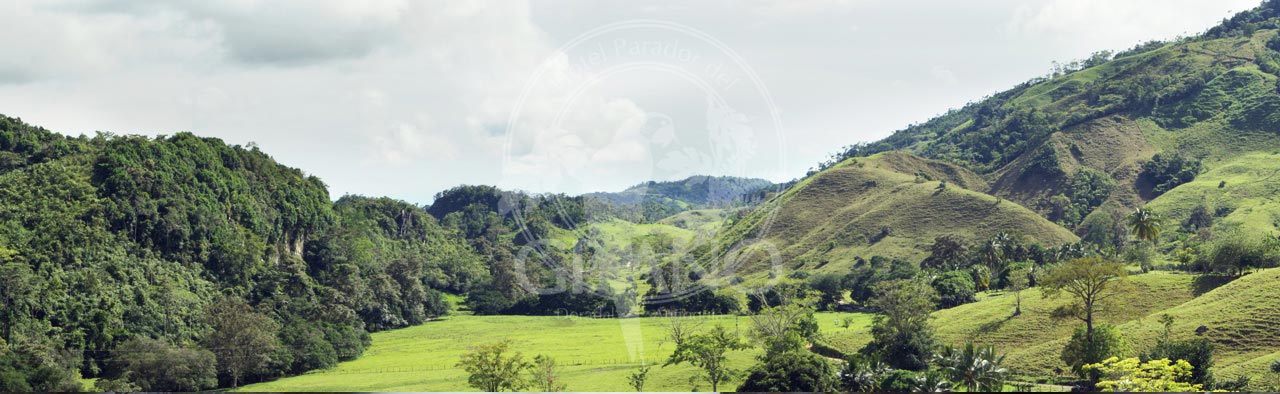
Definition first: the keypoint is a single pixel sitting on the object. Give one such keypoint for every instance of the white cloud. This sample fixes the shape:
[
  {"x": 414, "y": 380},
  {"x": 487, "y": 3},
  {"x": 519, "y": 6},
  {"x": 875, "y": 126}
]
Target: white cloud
[{"x": 406, "y": 98}]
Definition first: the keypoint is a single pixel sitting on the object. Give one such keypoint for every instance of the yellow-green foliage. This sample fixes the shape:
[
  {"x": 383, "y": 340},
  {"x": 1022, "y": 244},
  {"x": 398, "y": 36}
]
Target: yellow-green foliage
[{"x": 1129, "y": 375}]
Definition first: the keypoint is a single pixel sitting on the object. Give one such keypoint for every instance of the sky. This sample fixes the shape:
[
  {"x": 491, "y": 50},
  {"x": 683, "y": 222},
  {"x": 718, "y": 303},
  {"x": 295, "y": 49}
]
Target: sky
[{"x": 408, "y": 98}]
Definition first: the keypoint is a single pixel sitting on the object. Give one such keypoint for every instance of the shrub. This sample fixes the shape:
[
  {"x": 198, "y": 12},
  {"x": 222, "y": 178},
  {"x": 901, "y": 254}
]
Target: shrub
[
  {"x": 954, "y": 288},
  {"x": 1167, "y": 171},
  {"x": 793, "y": 371},
  {"x": 1080, "y": 351}
]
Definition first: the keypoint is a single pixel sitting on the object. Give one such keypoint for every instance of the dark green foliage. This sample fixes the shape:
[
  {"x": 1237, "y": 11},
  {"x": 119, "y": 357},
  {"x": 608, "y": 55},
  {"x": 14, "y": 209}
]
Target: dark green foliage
[
  {"x": 33, "y": 368},
  {"x": 830, "y": 288},
  {"x": 793, "y": 371},
  {"x": 902, "y": 336},
  {"x": 1102, "y": 229},
  {"x": 153, "y": 365},
  {"x": 898, "y": 381},
  {"x": 110, "y": 238},
  {"x": 1200, "y": 218},
  {"x": 947, "y": 253},
  {"x": 1044, "y": 165},
  {"x": 1198, "y": 352},
  {"x": 954, "y": 288},
  {"x": 1166, "y": 171},
  {"x": 1079, "y": 351},
  {"x": 867, "y": 274}
]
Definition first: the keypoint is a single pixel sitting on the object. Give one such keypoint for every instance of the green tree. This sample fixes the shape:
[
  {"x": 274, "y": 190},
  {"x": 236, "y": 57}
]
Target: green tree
[
  {"x": 638, "y": 377},
  {"x": 1081, "y": 349},
  {"x": 154, "y": 365},
  {"x": 242, "y": 340},
  {"x": 1092, "y": 281},
  {"x": 1132, "y": 375},
  {"x": 544, "y": 375},
  {"x": 707, "y": 351},
  {"x": 492, "y": 367},
  {"x": 1019, "y": 280},
  {"x": 830, "y": 287},
  {"x": 901, "y": 331},
  {"x": 798, "y": 370},
  {"x": 15, "y": 288},
  {"x": 974, "y": 368},
  {"x": 1145, "y": 224}
]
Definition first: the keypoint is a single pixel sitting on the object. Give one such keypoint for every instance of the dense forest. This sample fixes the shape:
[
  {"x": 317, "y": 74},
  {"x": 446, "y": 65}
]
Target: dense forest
[{"x": 187, "y": 246}]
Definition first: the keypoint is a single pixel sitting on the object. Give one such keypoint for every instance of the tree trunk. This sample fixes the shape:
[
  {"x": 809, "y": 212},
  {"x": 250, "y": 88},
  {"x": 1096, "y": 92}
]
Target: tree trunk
[{"x": 1088, "y": 325}]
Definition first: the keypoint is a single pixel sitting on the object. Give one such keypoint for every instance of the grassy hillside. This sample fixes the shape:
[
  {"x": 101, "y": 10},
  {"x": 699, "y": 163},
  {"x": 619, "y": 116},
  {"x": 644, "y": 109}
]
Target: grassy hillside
[
  {"x": 843, "y": 212},
  {"x": 1240, "y": 317},
  {"x": 1244, "y": 191}
]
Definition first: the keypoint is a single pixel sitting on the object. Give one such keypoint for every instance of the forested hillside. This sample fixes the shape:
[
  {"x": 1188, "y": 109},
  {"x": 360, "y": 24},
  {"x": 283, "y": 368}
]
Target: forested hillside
[{"x": 117, "y": 249}]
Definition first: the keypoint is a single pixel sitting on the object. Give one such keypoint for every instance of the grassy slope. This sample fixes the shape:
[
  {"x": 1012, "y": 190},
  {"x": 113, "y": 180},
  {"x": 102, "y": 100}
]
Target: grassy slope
[
  {"x": 1251, "y": 193},
  {"x": 826, "y": 220},
  {"x": 592, "y": 353},
  {"x": 1240, "y": 317}
]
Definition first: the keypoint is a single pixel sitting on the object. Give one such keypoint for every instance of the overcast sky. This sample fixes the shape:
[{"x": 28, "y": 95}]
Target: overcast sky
[{"x": 407, "y": 98}]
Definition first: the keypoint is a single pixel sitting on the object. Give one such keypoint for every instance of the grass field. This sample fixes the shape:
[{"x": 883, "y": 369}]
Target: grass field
[
  {"x": 593, "y": 354},
  {"x": 599, "y": 354}
]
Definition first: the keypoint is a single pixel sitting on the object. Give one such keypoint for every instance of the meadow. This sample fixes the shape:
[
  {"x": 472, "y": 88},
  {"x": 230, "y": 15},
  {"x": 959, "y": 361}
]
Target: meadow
[{"x": 593, "y": 354}]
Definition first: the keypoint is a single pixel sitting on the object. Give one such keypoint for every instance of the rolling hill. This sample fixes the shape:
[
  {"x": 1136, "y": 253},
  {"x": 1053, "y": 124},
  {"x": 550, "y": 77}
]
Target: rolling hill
[{"x": 891, "y": 204}]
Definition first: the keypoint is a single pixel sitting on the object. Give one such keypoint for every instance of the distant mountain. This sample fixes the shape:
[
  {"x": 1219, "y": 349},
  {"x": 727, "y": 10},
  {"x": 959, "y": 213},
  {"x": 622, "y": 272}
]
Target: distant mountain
[{"x": 658, "y": 200}]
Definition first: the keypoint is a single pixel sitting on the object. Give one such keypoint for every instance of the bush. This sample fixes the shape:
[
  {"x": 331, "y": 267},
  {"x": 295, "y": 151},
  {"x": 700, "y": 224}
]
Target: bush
[
  {"x": 154, "y": 365},
  {"x": 1166, "y": 172},
  {"x": 308, "y": 346},
  {"x": 898, "y": 381},
  {"x": 487, "y": 302},
  {"x": 954, "y": 288},
  {"x": 1079, "y": 351},
  {"x": 792, "y": 371},
  {"x": 1198, "y": 352}
]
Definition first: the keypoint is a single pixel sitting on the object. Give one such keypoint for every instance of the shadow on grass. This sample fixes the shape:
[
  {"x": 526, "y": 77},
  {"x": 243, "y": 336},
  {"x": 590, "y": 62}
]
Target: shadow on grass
[
  {"x": 1207, "y": 282},
  {"x": 993, "y": 326}
]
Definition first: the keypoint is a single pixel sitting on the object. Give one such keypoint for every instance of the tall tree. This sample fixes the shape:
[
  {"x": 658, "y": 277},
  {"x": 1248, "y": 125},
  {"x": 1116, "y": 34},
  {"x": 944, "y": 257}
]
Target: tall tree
[
  {"x": 901, "y": 331},
  {"x": 242, "y": 340},
  {"x": 707, "y": 351},
  {"x": 1019, "y": 279},
  {"x": 1092, "y": 281},
  {"x": 493, "y": 367}
]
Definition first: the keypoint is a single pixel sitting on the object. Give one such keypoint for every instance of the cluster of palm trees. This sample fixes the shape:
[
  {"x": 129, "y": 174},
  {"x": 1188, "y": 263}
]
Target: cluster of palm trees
[
  {"x": 972, "y": 368},
  {"x": 975, "y": 368}
]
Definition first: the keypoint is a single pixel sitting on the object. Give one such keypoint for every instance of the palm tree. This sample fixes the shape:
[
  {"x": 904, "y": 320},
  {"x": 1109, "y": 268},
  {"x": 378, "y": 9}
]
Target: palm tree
[
  {"x": 974, "y": 368},
  {"x": 931, "y": 383},
  {"x": 1145, "y": 224},
  {"x": 862, "y": 374}
]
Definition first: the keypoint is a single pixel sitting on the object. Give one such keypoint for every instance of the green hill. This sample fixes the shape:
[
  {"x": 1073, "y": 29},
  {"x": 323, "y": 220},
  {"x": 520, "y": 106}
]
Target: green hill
[{"x": 891, "y": 204}]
